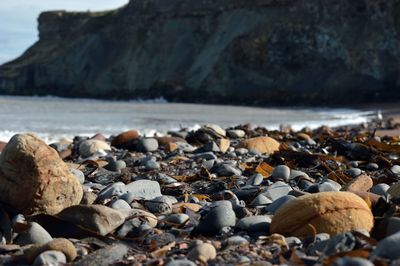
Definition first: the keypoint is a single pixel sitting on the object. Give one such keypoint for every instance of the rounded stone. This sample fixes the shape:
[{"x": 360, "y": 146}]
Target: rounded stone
[
  {"x": 50, "y": 257},
  {"x": 35, "y": 234},
  {"x": 281, "y": 172},
  {"x": 29, "y": 167},
  {"x": 353, "y": 172},
  {"x": 276, "y": 204},
  {"x": 91, "y": 147},
  {"x": 260, "y": 200},
  {"x": 237, "y": 241},
  {"x": 148, "y": 145},
  {"x": 120, "y": 204},
  {"x": 59, "y": 244},
  {"x": 352, "y": 261},
  {"x": 116, "y": 166},
  {"x": 178, "y": 218},
  {"x": 202, "y": 252},
  {"x": 395, "y": 169},
  {"x": 180, "y": 262},
  {"x": 236, "y": 133},
  {"x": 78, "y": 174},
  {"x": 380, "y": 189},
  {"x": 152, "y": 165},
  {"x": 372, "y": 167},
  {"x": 254, "y": 224},
  {"x": 125, "y": 138},
  {"x": 261, "y": 145},
  {"x": 388, "y": 248},
  {"x": 327, "y": 212},
  {"x": 216, "y": 218}
]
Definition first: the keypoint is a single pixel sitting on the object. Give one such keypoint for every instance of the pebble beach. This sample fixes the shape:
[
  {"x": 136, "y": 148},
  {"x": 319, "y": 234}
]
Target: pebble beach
[{"x": 214, "y": 195}]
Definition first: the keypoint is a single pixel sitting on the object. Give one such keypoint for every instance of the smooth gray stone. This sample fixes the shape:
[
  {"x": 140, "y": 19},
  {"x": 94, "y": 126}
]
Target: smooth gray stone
[
  {"x": 106, "y": 256},
  {"x": 316, "y": 248},
  {"x": 178, "y": 218},
  {"x": 116, "y": 189},
  {"x": 206, "y": 156},
  {"x": 372, "y": 167},
  {"x": 254, "y": 224},
  {"x": 353, "y": 172},
  {"x": 260, "y": 200},
  {"x": 380, "y": 189},
  {"x": 241, "y": 151},
  {"x": 276, "y": 204},
  {"x": 395, "y": 169},
  {"x": 208, "y": 164},
  {"x": 35, "y": 234},
  {"x": 50, "y": 257},
  {"x": 147, "y": 145},
  {"x": 181, "y": 262},
  {"x": 120, "y": 204},
  {"x": 255, "y": 180},
  {"x": 219, "y": 215},
  {"x": 352, "y": 261},
  {"x": 388, "y": 248},
  {"x": 165, "y": 179},
  {"x": 211, "y": 146},
  {"x": 79, "y": 174},
  {"x": 116, "y": 166},
  {"x": 225, "y": 169},
  {"x": 159, "y": 207},
  {"x": 324, "y": 187},
  {"x": 392, "y": 226},
  {"x": 334, "y": 184},
  {"x": 353, "y": 164},
  {"x": 340, "y": 243},
  {"x": 144, "y": 189},
  {"x": 277, "y": 190},
  {"x": 281, "y": 172},
  {"x": 237, "y": 241},
  {"x": 235, "y": 133},
  {"x": 185, "y": 147},
  {"x": 297, "y": 173},
  {"x": 151, "y": 165}
]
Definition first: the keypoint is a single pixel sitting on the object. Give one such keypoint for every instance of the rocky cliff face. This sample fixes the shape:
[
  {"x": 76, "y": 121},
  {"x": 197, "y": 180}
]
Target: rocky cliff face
[{"x": 228, "y": 51}]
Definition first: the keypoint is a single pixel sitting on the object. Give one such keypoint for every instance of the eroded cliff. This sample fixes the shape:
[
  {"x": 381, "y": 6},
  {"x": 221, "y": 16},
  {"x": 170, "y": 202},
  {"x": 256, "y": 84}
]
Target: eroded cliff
[{"x": 228, "y": 51}]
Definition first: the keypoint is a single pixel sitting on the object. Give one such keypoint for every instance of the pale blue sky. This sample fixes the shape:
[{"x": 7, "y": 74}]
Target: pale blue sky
[{"x": 18, "y": 20}]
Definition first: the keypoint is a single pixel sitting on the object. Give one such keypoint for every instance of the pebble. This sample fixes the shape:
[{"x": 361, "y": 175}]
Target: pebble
[
  {"x": 147, "y": 145},
  {"x": 115, "y": 189},
  {"x": 241, "y": 151},
  {"x": 236, "y": 133},
  {"x": 92, "y": 147},
  {"x": 276, "y": 204},
  {"x": 97, "y": 218},
  {"x": 359, "y": 183},
  {"x": 340, "y": 243},
  {"x": 59, "y": 244},
  {"x": 254, "y": 224},
  {"x": 255, "y": 180},
  {"x": 260, "y": 200},
  {"x": 144, "y": 189},
  {"x": 353, "y": 172},
  {"x": 237, "y": 241},
  {"x": 277, "y": 190},
  {"x": 224, "y": 169},
  {"x": 35, "y": 234},
  {"x": 108, "y": 255},
  {"x": 352, "y": 261},
  {"x": 211, "y": 146},
  {"x": 125, "y": 139},
  {"x": 392, "y": 226},
  {"x": 324, "y": 187},
  {"x": 152, "y": 165},
  {"x": 216, "y": 218},
  {"x": 380, "y": 189},
  {"x": 372, "y": 167},
  {"x": 388, "y": 248},
  {"x": 178, "y": 218},
  {"x": 50, "y": 257},
  {"x": 116, "y": 166},
  {"x": 180, "y": 262},
  {"x": 120, "y": 204},
  {"x": 79, "y": 174},
  {"x": 296, "y": 173},
  {"x": 202, "y": 252},
  {"x": 294, "y": 242},
  {"x": 395, "y": 169},
  {"x": 281, "y": 172}
]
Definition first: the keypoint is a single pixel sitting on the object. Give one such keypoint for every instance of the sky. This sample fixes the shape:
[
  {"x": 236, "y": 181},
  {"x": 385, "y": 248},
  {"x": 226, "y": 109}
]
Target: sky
[{"x": 18, "y": 20}]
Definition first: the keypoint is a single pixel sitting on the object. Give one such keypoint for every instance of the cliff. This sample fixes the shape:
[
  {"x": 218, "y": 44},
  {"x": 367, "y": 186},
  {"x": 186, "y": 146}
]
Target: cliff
[{"x": 291, "y": 52}]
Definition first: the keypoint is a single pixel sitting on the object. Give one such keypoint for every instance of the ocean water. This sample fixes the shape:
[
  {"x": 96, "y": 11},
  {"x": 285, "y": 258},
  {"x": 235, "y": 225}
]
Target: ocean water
[{"x": 53, "y": 118}]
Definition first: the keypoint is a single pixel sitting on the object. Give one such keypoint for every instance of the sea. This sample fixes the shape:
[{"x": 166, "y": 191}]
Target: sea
[{"x": 53, "y": 118}]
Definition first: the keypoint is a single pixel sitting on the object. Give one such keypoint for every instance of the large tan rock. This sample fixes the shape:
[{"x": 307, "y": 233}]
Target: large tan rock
[
  {"x": 325, "y": 212},
  {"x": 59, "y": 244},
  {"x": 33, "y": 178},
  {"x": 261, "y": 144}
]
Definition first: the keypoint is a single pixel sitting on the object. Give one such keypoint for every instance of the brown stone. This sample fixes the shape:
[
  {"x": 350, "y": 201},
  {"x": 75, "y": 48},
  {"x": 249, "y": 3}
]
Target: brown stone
[
  {"x": 324, "y": 212},
  {"x": 125, "y": 138},
  {"x": 59, "y": 244},
  {"x": 360, "y": 183},
  {"x": 164, "y": 141},
  {"x": 223, "y": 144},
  {"x": 99, "y": 136},
  {"x": 261, "y": 144},
  {"x": 303, "y": 136},
  {"x": 33, "y": 178},
  {"x": 170, "y": 147}
]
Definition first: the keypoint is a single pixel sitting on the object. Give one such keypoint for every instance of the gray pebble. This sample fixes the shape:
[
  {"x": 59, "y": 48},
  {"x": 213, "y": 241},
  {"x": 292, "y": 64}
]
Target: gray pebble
[
  {"x": 178, "y": 218},
  {"x": 276, "y": 204},
  {"x": 255, "y": 224},
  {"x": 392, "y": 226},
  {"x": 205, "y": 156},
  {"x": 211, "y": 146},
  {"x": 116, "y": 166},
  {"x": 324, "y": 187},
  {"x": 79, "y": 174},
  {"x": 293, "y": 241},
  {"x": 260, "y": 200},
  {"x": 340, "y": 243},
  {"x": 352, "y": 261},
  {"x": 50, "y": 257},
  {"x": 224, "y": 169},
  {"x": 372, "y": 167},
  {"x": 353, "y": 172},
  {"x": 219, "y": 215},
  {"x": 296, "y": 173},
  {"x": 185, "y": 147},
  {"x": 388, "y": 248},
  {"x": 120, "y": 204},
  {"x": 208, "y": 164},
  {"x": 241, "y": 151},
  {"x": 144, "y": 189},
  {"x": 116, "y": 189},
  {"x": 181, "y": 262},
  {"x": 277, "y": 190},
  {"x": 237, "y": 241},
  {"x": 35, "y": 234},
  {"x": 255, "y": 180},
  {"x": 152, "y": 165},
  {"x": 353, "y": 164},
  {"x": 395, "y": 169},
  {"x": 380, "y": 189},
  {"x": 148, "y": 144},
  {"x": 236, "y": 133},
  {"x": 281, "y": 172}
]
